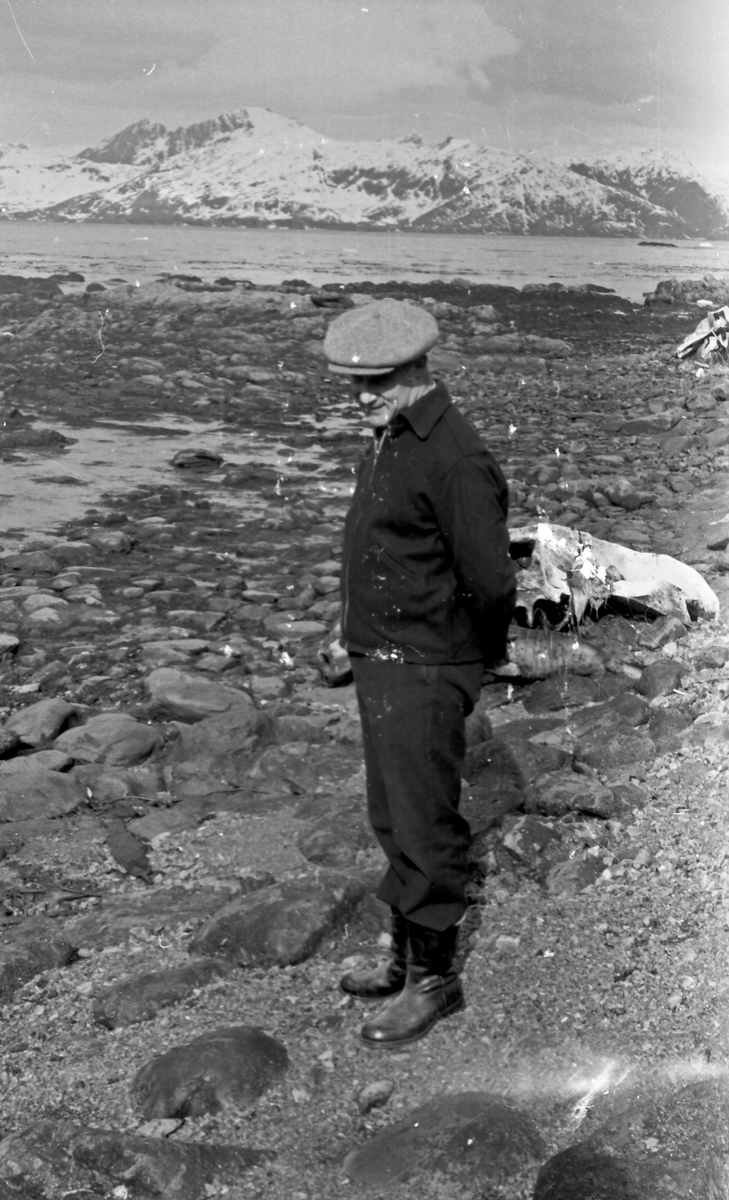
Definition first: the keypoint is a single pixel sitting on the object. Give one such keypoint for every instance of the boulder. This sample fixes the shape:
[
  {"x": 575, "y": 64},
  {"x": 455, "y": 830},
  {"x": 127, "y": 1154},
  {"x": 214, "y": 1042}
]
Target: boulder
[
  {"x": 187, "y": 697},
  {"x": 660, "y": 678},
  {"x": 646, "y": 1148},
  {"x": 336, "y": 838},
  {"x": 27, "y": 949},
  {"x": 227, "y": 1067},
  {"x": 112, "y": 738},
  {"x": 526, "y": 837},
  {"x": 566, "y": 791},
  {"x": 140, "y": 997},
  {"x": 57, "y": 1158},
  {"x": 216, "y": 752},
  {"x": 46, "y": 760},
  {"x": 158, "y": 910},
  {"x": 39, "y": 793},
  {"x": 473, "y": 1139},
  {"x": 572, "y": 875},
  {"x": 614, "y": 753},
  {"x": 113, "y": 541},
  {"x": 41, "y": 722},
  {"x": 282, "y": 924}
]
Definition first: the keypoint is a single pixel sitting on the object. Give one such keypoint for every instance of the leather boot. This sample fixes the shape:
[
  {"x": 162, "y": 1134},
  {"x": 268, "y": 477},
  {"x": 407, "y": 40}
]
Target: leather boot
[
  {"x": 388, "y": 977},
  {"x": 432, "y": 990}
]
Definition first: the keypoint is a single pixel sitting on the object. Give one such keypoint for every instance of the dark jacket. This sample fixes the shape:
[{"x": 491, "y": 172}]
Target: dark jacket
[{"x": 426, "y": 572}]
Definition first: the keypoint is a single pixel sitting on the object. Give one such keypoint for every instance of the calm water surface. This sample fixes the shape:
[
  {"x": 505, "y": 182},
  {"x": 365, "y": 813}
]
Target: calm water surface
[{"x": 141, "y": 252}]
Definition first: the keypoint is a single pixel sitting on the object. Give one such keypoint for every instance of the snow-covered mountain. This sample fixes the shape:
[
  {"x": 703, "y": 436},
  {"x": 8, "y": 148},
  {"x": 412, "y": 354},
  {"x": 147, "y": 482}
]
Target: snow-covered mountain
[
  {"x": 31, "y": 181},
  {"x": 253, "y": 167},
  {"x": 668, "y": 181}
]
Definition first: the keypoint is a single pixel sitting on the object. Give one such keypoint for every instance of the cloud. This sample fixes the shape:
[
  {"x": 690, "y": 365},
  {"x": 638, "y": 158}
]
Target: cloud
[
  {"x": 106, "y": 41},
  {"x": 615, "y": 52}
]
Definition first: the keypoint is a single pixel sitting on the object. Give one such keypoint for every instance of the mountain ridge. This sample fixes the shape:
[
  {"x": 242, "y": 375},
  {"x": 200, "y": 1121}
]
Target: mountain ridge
[{"x": 253, "y": 167}]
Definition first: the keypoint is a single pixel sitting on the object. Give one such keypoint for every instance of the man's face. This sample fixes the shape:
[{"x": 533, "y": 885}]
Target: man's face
[{"x": 380, "y": 397}]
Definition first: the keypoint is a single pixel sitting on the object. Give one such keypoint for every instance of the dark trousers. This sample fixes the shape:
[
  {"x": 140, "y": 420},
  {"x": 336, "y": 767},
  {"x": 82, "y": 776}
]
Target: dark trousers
[{"x": 413, "y": 727}]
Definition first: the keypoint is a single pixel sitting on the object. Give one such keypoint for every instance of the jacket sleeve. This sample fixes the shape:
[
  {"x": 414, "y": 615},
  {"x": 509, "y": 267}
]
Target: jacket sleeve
[{"x": 471, "y": 511}]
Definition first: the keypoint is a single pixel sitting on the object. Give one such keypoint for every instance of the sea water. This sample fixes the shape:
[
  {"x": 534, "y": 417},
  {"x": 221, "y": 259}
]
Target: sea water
[{"x": 139, "y": 253}]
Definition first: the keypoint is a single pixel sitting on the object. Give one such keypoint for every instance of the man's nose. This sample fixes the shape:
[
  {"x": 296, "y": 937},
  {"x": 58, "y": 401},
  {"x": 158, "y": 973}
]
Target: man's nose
[{"x": 364, "y": 396}]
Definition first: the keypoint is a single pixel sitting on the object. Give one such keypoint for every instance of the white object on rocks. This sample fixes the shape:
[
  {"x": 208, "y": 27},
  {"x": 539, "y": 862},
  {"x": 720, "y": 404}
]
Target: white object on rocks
[
  {"x": 568, "y": 565},
  {"x": 710, "y": 339}
]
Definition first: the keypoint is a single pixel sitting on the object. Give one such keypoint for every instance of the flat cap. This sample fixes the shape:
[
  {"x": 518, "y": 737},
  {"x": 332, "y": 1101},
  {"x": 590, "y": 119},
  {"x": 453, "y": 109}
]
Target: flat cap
[{"x": 374, "y": 339}]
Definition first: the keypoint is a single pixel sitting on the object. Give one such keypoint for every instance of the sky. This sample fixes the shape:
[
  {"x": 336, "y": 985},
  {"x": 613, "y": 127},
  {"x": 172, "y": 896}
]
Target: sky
[{"x": 566, "y": 78}]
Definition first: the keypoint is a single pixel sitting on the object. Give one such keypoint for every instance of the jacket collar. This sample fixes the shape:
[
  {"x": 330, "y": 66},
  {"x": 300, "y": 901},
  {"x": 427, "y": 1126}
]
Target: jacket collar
[{"x": 426, "y": 412}]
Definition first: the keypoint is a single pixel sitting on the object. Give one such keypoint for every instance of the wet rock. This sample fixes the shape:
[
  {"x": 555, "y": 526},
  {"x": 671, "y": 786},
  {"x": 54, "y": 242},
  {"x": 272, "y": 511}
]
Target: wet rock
[
  {"x": 168, "y": 820},
  {"x": 281, "y": 924},
  {"x": 624, "y": 494},
  {"x": 39, "y": 793},
  {"x": 9, "y": 741},
  {"x": 472, "y": 1138},
  {"x": 526, "y": 837},
  {"x": 216, "y": 752},
  {"x": 712, "y": 657},
  {"x": 158, "y": 910},
  {"x": 41, "y": 722},
  {"x": 113, "y": 738},
  {"x": 8, "y": 644},
  {"x": 579, "y": 1172},
  {"x": 46, "y": 760},
  {"x": 30, "y": 562},
  {"x": 40, "y": 600},
  {"x": 44, "y": 619},
  {"x": 291, "y": 627},
  {"x": 625, "y": 709},
  {"x": 27, "y": 949},
  {"x": 196, "y": 460},
  {"x": 572, "y": 875},
  {"x": 113, "y": 541},
  {"x": 108, "y": 784},
  {"x": 57, "y": 1158},
  {"x": 653, "y": 423},
  {"x": 336, "y": 838},
  {"x": 226, "y": 1067},
  {"x": 668, "y": 728},
  {"x": 140, "y": 997},
  {"x": 567, "y": 691},
  {"x": 614, "y": 754},
  {"x": 660, "y": 678},
  {"x": 565, "y": 791},
  {"x": 531, "y": 756},
  {"x": 171, "y": 652},
  {"x": 647, "y": 1149},
  {"x": 497, "y": 785},
  {"x": 176, "y": 694}
]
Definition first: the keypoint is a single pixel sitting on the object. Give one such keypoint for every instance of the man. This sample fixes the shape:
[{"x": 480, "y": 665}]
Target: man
[{"x": 427, "y": 596}]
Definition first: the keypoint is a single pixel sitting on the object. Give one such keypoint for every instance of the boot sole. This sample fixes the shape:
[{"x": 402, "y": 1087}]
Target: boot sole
[
  {"x": 371, "y": 995},
  {"x": 455, "y": 1006}
]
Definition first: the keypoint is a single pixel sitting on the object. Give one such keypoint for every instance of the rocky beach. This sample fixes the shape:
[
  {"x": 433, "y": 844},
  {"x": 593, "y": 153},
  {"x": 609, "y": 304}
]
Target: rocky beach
[{"x": 186, "y": 867}]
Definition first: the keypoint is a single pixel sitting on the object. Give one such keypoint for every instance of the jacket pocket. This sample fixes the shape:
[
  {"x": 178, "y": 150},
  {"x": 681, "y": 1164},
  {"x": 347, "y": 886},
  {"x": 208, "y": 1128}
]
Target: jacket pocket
[{"x": 383, "y": 553}]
